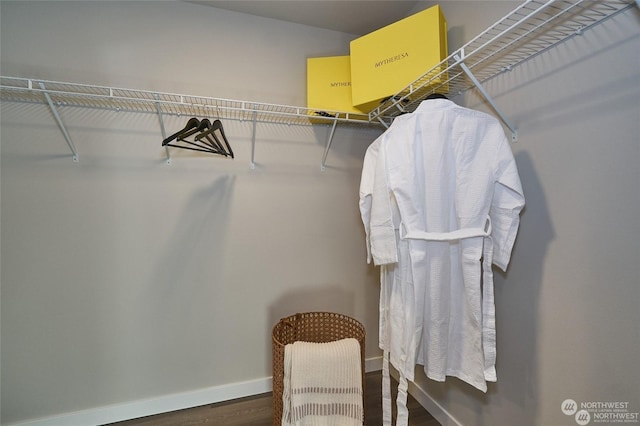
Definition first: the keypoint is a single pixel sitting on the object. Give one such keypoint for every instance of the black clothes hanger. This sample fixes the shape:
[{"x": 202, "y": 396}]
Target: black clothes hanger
[
  {"x": 189, "y": 130},
  {"x": 194, "y": 147},
  {"x": 324, "y": 114},
  {"x": 191, "y": 124},
  {"x": 204, "y": 125},
  {"x": 203, "y": 142},
  {"x": 206, "y": 137},
  {"x": 212, "y": 135}
]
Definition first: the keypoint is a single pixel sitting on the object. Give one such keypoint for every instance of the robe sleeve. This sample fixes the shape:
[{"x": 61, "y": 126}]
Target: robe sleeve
[
  {"x": 382, "y": 232},
  {"x": 366, "y": 190},
  {"x": 507, "y": 203}
]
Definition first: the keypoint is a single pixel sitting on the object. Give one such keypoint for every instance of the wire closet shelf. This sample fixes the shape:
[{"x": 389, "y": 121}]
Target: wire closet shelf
[
  {"x": 131, "y": 100},
  {"x": 530, "y": 29}
]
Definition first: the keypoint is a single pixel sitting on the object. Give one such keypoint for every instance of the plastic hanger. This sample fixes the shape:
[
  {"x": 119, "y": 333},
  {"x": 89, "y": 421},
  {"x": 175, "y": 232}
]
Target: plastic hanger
[
  {"x": 203, "y": 142},
  {"x": 189, "y": 130},
  {"x": 206, "y": 137},
  {"x": 204, "y": 124},
  {"x": 213, "y": 132},
  {"x": 191, "y": 124}
]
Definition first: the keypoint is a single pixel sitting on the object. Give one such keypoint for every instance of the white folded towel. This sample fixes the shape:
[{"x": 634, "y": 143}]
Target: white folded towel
[{"x": 322, "y": 384}]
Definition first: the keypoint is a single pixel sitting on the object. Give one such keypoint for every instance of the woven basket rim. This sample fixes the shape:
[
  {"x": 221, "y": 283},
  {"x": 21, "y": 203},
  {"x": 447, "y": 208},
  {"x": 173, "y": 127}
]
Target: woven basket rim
[{"x": 295, "y": 316}]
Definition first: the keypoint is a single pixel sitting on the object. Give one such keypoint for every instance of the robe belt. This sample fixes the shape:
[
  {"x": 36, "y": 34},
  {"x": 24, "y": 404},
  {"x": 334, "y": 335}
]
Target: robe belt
[
  {"x": 458, "y": 234},
  {"x": 488, "y": 303},
  {"x": 488, "y": 315}
]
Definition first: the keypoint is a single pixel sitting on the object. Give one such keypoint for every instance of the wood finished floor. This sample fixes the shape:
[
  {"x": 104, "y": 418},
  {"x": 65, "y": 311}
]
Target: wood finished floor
[{"x": 257, "y": 411}]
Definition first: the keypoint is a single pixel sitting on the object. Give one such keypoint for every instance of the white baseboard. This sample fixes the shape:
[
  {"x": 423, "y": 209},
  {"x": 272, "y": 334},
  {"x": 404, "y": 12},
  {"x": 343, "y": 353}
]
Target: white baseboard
[
  {"x": 373, "y": 364},
  {"x": 149, "y": 407},
  {"x": 167, "y": 403}
]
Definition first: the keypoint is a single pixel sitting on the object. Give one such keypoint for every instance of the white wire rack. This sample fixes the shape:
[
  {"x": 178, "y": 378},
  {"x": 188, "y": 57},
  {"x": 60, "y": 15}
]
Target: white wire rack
[
  {"x": 131, "y": 100},
  {"x": 58, "y": 94},
  {"x": 530, "y": 29}
]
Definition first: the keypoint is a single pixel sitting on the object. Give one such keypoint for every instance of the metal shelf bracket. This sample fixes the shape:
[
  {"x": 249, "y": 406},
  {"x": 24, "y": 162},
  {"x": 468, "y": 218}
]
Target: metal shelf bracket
[
  {"x": 63, "y": 129},
  {"x": 162, "y": 128},
  {"x": 386, "y": 126},
  {"x": 253, "y": 139},
  {"x": 328, "y": 145},
  {"x": 460, "y": 61}
]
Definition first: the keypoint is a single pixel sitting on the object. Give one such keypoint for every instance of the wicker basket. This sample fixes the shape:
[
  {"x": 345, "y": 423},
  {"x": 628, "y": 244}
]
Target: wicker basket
[{"x": 316, "y": 327}]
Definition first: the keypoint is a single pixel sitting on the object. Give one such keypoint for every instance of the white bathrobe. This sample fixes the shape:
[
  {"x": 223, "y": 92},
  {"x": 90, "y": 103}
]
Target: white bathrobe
[{"x": 440, "y": 199}]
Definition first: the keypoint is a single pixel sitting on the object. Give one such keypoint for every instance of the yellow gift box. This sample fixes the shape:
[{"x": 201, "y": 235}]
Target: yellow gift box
[
  {"x": 329, "y": 87},
  {"x": 388, "y": 60}
]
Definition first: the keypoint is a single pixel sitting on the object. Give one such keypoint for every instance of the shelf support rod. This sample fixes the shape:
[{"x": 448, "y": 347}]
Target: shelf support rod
[
  {"x": 253, "y": 138},
  {"x": 386, "y": 126},
  {"x": 487, "y": 97},
  {"x": 162, "y": 128},
  {"x": 63, "y": 129},
  {"x": 328, "y": 145}
]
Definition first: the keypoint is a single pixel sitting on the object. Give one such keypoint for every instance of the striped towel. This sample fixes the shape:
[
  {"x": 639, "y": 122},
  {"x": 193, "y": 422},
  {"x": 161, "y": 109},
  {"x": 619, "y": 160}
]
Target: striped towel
[{"x": 322, "y": 384}]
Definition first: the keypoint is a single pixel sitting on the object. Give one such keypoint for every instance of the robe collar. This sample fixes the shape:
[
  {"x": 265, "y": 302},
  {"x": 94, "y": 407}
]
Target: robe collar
[{"x": 434, "y": 104}]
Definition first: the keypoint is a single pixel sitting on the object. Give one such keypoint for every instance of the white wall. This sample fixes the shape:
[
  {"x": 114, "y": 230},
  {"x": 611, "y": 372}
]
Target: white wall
[
  {"x": 125, "y": 279},
  {"x": 567, "y": 309}
]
